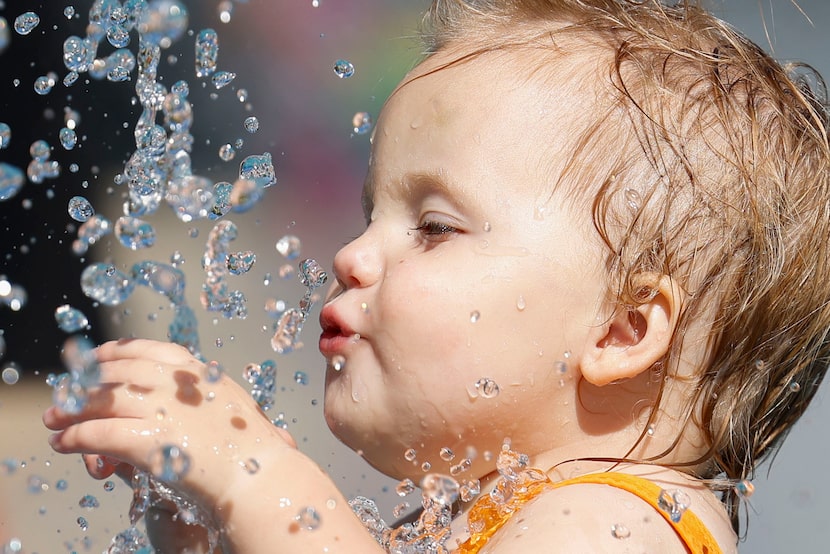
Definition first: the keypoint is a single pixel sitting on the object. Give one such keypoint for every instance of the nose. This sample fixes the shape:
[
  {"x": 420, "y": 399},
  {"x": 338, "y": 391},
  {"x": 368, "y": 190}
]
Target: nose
[{"x": 359, "y": 263}]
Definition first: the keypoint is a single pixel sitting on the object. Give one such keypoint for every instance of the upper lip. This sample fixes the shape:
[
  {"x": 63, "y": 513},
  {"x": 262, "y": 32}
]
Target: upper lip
[{"x": 332, "y": 324}]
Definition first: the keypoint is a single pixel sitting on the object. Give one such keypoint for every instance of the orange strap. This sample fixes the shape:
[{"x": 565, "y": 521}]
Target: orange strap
[{"x": 690, "y": 529}]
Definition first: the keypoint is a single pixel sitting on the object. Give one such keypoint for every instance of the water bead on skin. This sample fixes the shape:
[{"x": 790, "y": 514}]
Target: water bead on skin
[
  {"x": 169, "y": 463},
  {"x": 620, "y": 531},
  {"x": 446, "y": 454},
  {"x": 338, "y": 362},
  {"x": 674, "y": 502},
  {"x": 308, "y": 518}
]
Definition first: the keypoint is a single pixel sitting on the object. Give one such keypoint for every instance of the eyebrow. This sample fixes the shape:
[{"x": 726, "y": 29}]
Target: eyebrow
[{"x": 421, "y": 183}]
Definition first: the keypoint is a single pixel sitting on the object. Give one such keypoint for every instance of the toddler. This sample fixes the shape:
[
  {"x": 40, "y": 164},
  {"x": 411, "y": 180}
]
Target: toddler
[{"x": 593, "y": 289}]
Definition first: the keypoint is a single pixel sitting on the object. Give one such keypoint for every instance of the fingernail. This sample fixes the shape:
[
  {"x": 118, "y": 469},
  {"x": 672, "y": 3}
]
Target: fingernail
[{"x": 54, "y": 439}]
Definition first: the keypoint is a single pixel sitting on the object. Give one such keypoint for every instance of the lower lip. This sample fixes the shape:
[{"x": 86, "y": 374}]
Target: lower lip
[{"x": 334, "y": 343}]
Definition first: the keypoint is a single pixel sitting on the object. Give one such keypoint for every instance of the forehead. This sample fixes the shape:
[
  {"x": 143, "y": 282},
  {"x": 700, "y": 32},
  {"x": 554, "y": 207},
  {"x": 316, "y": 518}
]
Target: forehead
[{"x": 524, "y": 106}]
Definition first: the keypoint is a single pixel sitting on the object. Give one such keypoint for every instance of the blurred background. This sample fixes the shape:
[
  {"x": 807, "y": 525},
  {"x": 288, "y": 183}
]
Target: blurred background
[{"x": 283, "y": 53}]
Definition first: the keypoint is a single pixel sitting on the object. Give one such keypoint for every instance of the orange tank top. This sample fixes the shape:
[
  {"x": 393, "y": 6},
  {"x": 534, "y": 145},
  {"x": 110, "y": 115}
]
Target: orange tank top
[{"x": 486, "y": 518}]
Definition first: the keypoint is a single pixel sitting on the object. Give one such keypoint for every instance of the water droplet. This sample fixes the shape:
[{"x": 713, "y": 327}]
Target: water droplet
[
  {"x": 308, "y": 518},
  {"x": 338, "y": 362},
  {"x": 227, "y": 152},
  {"x": 744, "y": 488},
  {"x": 88, "y": 501},
  {"x": 312, "y": 274},
  {"x": 251, "y": 124},
  {"x": 105, "y": 284},
  {"x": 461, "y": 466},
  {"x": 240, "y": 262},
  {"x": 520, "y": 303},
  {"x": 207, "y": 50},
  {"x": 69, "y": 319},
  {"x": 118, "y": 36},
  {"x": 250, "y": 465},
  {"x": 222, "y": 79},
  {"x": 675, "y": 502},
  {"x": 289, "y": 246},
  {"x": 475, "y": 316},
  {"x": 286, "y": 271},
  {"x": 405, "y": 487},
  {"x": 794, "y": 386},
  {"x": 301, "y": 377},
  {"x": 225, "y": 11},
  {"x": 169, "y": 463},
  {"x": 43, "y": 85},
  {"x": 441, "y": 489},
  {"x": 400, "y": 509},
  {"x": 11, "y": 180},
  {"x": 82, "y": 523},
  {"x": 109, "y": 486},
  {"x": 10, "y": 375},
  {"x": 134, "y": 233},
  {"x": 426, "y": 466},
  {"x": 446, "y": 454},
  {"x": 259, "y": 170},
  {"x": 620, "y": 531},
  {"x": 26, "y": 22},
  {"x": 5, "y": 135},
  {"x": 487, "y": 388},
  {"x": 80, "y": 209},
  {"x": 410, "y": 455},
  {"x": 362, "y": 123},
  {"x": 632, "y": 199},
  {"x": 69, "y": 12},
  {"x": 68, "y": 138},
  {"x": 343, "y": 69},
  {"x": 213, "y": 371},
  {"x": 40, "y": 150}
]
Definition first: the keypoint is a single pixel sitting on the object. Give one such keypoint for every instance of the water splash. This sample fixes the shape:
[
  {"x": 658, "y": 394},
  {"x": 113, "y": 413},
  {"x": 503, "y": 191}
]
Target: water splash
[
  {"x": 26, "y": 22},
  {"x": 286, "y": 337}
]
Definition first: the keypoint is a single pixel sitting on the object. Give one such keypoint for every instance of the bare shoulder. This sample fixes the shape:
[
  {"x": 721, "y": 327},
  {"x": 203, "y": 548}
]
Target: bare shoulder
[{"x": 599, "y": 518}]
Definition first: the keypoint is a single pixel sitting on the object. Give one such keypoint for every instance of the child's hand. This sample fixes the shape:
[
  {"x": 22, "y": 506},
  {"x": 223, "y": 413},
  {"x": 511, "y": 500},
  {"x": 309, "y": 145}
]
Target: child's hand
[
  {"x": 245, "y": 472},
  {"x": 155, "y": 394}
]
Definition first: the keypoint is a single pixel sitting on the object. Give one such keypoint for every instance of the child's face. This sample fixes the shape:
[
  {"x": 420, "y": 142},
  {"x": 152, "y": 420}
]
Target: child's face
[{"x": 470, "y": 268}]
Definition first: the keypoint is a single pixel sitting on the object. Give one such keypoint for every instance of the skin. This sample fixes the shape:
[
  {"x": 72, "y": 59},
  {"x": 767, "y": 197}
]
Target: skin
[{"x": 470, "y": 267}]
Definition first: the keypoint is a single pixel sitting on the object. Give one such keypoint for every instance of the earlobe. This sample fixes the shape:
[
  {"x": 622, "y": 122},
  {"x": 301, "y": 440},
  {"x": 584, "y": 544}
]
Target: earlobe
[{"x": 633, "y": 339}]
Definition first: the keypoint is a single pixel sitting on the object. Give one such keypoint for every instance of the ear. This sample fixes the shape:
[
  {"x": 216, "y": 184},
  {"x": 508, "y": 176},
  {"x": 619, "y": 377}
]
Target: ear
[{"x": 634, "y": 339}]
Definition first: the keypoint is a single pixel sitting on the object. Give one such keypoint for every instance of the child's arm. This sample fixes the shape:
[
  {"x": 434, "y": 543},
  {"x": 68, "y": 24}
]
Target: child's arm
[{"x": 157, "y": 394}]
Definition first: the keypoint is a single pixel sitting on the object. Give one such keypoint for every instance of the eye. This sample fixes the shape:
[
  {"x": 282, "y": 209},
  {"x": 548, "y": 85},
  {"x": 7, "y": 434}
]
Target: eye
[{"x": 435, "y": 230}]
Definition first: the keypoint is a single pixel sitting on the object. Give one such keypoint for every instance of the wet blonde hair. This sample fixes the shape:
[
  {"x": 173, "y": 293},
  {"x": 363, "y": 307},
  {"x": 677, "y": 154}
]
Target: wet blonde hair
[{"x": 709, "y": 163}]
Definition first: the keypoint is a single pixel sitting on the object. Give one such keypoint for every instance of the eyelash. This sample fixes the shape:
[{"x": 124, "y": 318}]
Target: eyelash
[{"x": 435, "y": 229}]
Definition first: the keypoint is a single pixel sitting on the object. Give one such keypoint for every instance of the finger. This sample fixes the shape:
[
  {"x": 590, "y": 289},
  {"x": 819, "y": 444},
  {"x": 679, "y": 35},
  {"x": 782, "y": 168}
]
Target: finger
[
  {"x": 287, "y": 437},
  {"x": 164, "y": 352},
  {"x": 117, "y": 438},
  {"x": 105, "y": 401},
  {"x": 98, "y": 467}
]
